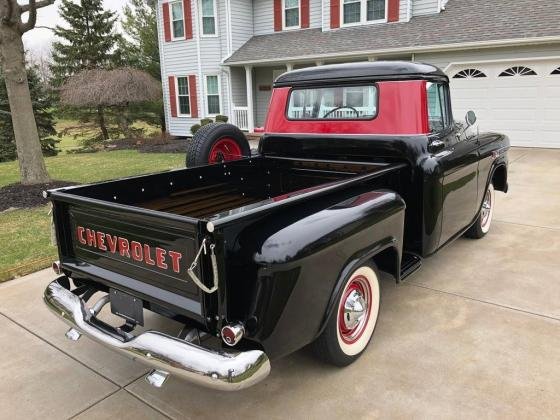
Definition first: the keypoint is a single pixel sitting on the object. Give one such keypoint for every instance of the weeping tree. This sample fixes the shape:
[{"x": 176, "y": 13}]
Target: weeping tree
[
  {"x": 12, "y": 61},
  {"x": 118, "y": 89}
]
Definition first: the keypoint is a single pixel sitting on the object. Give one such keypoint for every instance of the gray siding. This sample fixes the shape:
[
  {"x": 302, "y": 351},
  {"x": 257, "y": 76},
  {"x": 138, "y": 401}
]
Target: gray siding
[
  {"x": 262, "y": 76},
  {"x": 263, "y": 17},
  {"x": 443, "y": 59},
  {"x": 424, "y": 7},
  {"x": 241, "y": 22},
  {"x": 326, "y": 21},
  {"x": 403, "y": 10},
  {"x": 238, "y": 86},
  {"x": 315, "y": 18}
]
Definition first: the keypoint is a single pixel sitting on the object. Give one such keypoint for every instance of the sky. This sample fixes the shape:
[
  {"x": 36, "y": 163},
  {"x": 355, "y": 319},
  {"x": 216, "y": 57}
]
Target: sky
[{"x": 38, "y": 40}]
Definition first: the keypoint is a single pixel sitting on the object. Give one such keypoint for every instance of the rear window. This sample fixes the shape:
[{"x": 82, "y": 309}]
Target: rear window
[{"x": 333, "y": 103}]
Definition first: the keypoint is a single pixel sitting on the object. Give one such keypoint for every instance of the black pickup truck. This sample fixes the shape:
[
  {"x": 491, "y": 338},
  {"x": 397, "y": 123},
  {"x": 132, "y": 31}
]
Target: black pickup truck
[{"x": 361, "y": 169}]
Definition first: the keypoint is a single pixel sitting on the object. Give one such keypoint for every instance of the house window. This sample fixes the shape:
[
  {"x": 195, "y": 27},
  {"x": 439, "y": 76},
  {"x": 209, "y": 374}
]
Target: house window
[
  {"x": 208, "y": 16},
  {"x": 438, "y": 109},
  {"x": 291, "y": 14},
  {"x": 183, "y": 96},
  {"x": 213, "y": 94},
  {"x": 468, "y": 74},
  {"x": 363, "y": 11},
  {"x": 177, "y": 20},
  {"x": 333, "y": 103},
  {"x": 518, "y": 71}
]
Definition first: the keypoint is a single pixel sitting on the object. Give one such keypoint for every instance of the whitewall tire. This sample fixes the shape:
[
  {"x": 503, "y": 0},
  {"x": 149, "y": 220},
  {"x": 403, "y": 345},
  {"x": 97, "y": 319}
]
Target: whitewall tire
[
  {"x": 484, "y": 220},
  {"x": 352, "y": 322}
]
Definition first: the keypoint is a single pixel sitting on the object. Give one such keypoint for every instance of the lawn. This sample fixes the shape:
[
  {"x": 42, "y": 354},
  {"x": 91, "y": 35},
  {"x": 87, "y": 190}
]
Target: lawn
[{"x": 26, "y": 232}]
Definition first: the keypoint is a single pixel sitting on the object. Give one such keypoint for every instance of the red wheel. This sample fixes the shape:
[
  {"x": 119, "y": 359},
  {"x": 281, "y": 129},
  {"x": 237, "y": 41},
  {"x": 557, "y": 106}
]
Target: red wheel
[
  {"x": 351, "y": 325},
  {"x": 223, "y": 150}
]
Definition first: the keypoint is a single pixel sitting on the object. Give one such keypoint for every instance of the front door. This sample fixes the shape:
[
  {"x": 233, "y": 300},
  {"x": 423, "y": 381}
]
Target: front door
[{"x": 458, "y": 162}]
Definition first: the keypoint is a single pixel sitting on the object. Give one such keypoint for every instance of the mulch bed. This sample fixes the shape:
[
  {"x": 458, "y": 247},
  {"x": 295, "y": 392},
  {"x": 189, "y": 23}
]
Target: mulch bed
[{"x": 27, "y": 196}]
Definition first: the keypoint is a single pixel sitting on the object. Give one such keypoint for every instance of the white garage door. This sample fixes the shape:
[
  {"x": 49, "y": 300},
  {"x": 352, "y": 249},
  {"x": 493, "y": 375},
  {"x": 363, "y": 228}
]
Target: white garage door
[{"x": 520, "y": 99}]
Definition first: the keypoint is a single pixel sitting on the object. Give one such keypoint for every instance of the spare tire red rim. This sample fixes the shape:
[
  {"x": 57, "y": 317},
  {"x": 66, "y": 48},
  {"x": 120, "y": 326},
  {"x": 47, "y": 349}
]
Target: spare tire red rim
[{"x": 223, "y": 150}]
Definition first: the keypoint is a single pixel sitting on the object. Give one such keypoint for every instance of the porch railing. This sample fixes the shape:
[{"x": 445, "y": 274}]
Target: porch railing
[
  {"x": 241, "y": 117},
  {"x": 342, "y": 113}
]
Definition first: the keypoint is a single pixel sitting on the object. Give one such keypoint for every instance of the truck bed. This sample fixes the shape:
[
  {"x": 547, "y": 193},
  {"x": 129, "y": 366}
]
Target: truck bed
[{"x": 219, "y": 190}]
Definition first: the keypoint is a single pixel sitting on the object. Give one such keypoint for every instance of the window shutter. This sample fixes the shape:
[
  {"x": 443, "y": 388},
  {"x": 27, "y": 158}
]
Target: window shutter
[
  {"x": 172, "y": 96},
  {"x": 193, "y": 96},
  {"x": 166, "y": 24},
  {"x": 335, "y": 14},
  {"x": 393, "y": 11},
  {"x": 277, "y": 15},
  {"x": 304, "y": 13},
  {"x": 187, "y": 12}
]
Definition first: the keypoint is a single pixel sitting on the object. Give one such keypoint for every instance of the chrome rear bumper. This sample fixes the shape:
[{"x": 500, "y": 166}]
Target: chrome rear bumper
[{"x": 226, "y": 371}]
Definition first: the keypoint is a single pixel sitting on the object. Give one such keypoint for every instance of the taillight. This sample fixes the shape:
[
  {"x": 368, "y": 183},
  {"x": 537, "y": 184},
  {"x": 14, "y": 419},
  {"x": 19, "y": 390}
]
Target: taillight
[
  {"x": 57, "y": 267},
  {"x": 232, "y": 333}
]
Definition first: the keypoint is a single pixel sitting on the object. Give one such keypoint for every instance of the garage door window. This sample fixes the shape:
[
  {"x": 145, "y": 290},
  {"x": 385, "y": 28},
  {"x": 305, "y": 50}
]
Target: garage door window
[
  {"x": 556, "y": 71},
  {"x": 468, "y": 74},
  {"x": 518, "y": 71}
]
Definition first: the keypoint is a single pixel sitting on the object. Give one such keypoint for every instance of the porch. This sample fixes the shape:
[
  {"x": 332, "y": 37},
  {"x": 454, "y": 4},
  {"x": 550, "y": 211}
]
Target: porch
[{"x": 251, "y": 87}]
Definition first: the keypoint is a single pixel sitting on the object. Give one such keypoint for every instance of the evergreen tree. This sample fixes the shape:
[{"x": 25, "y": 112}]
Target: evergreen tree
[
  {"x": 140, "y": 49},
  {"x": 87, "y": 43},
  {"x": 42, "y": 108}
]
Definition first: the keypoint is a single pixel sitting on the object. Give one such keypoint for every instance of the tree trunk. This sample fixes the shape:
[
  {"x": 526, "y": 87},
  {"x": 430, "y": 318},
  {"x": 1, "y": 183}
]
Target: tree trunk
[
  {"x": 31, "y": 163},
  {"x": 123, "y": 122},
  {"x": 101, "y": 121},
  {"x": 162, "y": 120}
]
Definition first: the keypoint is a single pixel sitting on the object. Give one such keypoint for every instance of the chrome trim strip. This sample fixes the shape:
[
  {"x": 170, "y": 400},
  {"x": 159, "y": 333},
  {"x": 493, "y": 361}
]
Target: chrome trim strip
[{"x": 225, "y": 371}]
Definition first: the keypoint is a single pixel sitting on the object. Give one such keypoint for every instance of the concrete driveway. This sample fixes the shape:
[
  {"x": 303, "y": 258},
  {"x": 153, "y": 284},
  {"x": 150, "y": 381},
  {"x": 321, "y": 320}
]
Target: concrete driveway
[{"x": 475, "y": 333}]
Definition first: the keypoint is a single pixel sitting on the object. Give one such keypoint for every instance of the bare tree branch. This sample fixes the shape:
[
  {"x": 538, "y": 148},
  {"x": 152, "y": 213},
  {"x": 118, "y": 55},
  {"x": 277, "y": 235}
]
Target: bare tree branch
[
  {"x": 32, "y": 9},
  {"x": 38, "y": 5}
]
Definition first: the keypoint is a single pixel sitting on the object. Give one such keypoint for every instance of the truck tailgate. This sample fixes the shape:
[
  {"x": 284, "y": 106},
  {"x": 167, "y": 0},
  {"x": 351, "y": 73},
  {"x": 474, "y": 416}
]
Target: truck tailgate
[{"x": 131, "y": 249}]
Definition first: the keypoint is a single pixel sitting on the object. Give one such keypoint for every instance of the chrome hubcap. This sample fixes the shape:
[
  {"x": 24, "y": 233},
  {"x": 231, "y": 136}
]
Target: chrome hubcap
[
  {"x": 486, "y": 207},
  {"x": 355, "y": 308}
]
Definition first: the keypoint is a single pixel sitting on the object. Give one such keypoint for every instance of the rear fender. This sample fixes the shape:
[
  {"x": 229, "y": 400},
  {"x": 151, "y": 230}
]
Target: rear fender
[{"x": 303, "y": 265}]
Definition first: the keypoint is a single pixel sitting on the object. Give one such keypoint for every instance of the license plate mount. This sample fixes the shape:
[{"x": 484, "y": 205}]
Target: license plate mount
[{"x": 127, "y": 306}]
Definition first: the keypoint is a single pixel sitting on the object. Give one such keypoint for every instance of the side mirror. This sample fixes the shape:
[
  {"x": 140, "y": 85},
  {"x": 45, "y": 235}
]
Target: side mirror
[{"x": 470, "y": 118}]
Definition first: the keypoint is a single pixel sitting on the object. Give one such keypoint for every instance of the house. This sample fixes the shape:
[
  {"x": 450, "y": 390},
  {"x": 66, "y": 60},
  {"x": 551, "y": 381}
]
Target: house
[{"x": 502, "y": 56}]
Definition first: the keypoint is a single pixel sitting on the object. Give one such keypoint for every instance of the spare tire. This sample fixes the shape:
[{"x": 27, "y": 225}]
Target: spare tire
[{"x": 216, "y": 143}]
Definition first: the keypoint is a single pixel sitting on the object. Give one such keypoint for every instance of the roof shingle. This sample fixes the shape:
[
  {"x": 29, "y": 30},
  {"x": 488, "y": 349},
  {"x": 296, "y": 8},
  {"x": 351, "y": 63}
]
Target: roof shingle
[{"x": 463, "y": 21}]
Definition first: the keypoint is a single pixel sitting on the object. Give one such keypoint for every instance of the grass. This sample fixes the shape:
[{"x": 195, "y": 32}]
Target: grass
[{"x": 27, "y": 231}]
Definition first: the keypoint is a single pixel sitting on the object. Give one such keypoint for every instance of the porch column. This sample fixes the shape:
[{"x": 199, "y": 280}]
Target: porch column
[
  {"x": 250, "y": 107},
  {"x": 289, "y": 66},
  {"x": 371, "y": 58},
  {"x": 319, "y": 63}
]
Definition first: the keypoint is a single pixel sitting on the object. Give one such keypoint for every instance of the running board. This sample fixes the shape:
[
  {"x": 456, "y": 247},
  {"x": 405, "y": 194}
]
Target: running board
[{"x": 409, "y": 264}]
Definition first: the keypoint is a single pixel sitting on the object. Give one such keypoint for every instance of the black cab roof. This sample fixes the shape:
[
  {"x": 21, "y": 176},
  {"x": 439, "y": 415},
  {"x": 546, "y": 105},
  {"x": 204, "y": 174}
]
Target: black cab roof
[{"x": 363, "y": 71}]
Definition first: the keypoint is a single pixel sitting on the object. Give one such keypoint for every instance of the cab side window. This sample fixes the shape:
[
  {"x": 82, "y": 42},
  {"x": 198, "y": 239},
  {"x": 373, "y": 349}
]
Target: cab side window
[{"x": 438, "y": 109}]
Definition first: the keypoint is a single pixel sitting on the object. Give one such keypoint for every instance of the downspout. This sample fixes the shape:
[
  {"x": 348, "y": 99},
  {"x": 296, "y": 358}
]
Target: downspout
[
  {"x": 229, "y": 52},
  {"x": 409, "y": 10}
]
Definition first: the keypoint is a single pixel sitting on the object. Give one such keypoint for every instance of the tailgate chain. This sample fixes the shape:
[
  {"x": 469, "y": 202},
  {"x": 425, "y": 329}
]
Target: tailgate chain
[{"x": 194, "y": 277}]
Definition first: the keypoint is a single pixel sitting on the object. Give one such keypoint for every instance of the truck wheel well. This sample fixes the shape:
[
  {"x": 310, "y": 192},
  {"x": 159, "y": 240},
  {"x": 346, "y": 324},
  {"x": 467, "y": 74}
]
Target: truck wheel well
[
  {"x": 388, "y": 261},
  {"x": 499, "y": 178}
]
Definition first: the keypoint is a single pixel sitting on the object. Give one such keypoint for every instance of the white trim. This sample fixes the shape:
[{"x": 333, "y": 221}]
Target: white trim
[
  {"x": 363, "y": 15},
  {"x": 179, "y": 114},
  {"x": 419, "y": 49},
  {"x": 408, "y": 10},
  {"x": 290, "y": 28},
  {"x": 499, "y": 60},
  {"x": 207, "y": 113},
  {"x": 200, "y": 102},
  {"x": 202, "y": 34}
]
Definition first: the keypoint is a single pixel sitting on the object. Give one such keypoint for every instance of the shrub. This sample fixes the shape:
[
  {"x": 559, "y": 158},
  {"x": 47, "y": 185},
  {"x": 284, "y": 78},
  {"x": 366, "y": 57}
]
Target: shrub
[
  {"x": 222, "y": 118},
  {"x": 195, "y": 128},
  {"x": 206, "y": 121}
]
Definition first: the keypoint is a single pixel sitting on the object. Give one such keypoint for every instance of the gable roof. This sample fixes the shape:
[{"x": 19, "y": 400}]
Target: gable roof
[{"x": 464, "y": 22}]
